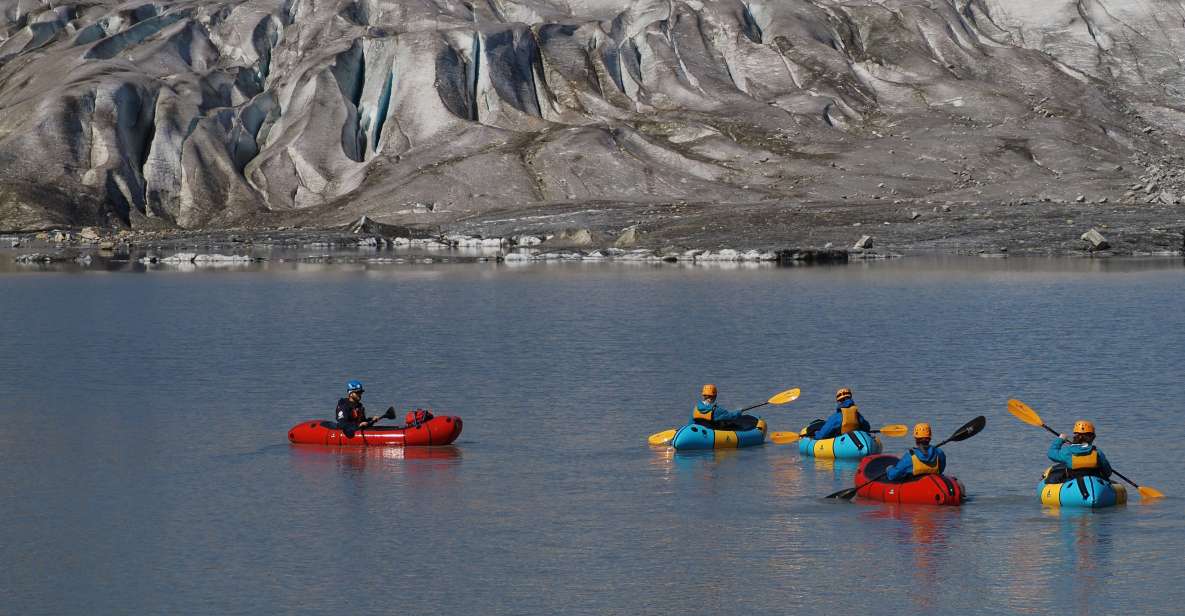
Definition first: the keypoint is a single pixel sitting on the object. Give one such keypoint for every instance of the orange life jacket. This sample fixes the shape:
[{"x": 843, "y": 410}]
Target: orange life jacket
[
  {"x": 1086, "y": 460},
  {"x": 851, "y": 419},
  {"x": 703, "y": 417},
  {"x": 921, "y": 468}
]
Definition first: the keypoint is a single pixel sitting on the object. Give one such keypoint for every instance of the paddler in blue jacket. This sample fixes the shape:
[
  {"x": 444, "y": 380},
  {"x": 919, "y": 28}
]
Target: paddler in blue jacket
[
  {"x": 847, "y": 418},
  {"x": 920, "y": 460},
  {"x": 1079, "y": 455},
  {"x": 709, "y": 414}
]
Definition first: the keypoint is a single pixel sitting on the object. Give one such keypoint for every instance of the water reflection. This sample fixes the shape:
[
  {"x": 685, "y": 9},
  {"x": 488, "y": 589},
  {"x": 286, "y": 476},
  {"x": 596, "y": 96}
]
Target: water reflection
[
  {"x": 924, "y": 533},
  {"x": 786, "y": 476},
  {"x": 356, "y": 460},
  {"x": 1086, "y": 543},
  {"x": 662, "y": 460},
  {"x": 843, "y": 470}
]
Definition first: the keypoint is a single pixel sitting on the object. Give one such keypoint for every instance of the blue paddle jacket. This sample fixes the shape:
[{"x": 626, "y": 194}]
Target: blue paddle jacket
[
  {"x": 718, "y": 412},
  {"x": 904, "y": 468},
  {"x": 831, "y": 427},
  {"x": 1064, "y": 452}
]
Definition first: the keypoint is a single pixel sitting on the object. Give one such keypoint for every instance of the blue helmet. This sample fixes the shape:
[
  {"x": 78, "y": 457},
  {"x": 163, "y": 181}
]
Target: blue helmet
[{"x": 354, "y": 386}]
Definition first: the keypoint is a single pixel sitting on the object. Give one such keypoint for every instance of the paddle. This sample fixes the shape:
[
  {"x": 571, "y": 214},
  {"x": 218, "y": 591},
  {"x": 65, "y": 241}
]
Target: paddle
[
  {"x": 388, "y": 415},
  {"x": 790, "y": 395},
  {"x": 1026, "y": 414},
  {"x": 965, "y": 432},
  {"x": 785, "y": 438}
]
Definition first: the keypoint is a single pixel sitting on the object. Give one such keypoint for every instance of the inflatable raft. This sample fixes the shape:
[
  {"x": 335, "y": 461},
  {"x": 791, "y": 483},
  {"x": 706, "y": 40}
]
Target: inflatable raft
[
  {"x": 439, "y": 430},
  {"x": 924, "y": 490},
  {"x": 694, "y": 436},
  {"x": 1057, "y": 490},
  {"x": 853, "y": 445}
]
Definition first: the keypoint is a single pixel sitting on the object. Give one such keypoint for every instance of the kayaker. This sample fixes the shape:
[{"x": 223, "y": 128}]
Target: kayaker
[
  {"x": 921, "y": 459},
  {"x": 709, "y": 414},
  {"x": 1078, "y": 454},
  {"x": 351, "y": 415},
  {"x": 847, "y": 418}
]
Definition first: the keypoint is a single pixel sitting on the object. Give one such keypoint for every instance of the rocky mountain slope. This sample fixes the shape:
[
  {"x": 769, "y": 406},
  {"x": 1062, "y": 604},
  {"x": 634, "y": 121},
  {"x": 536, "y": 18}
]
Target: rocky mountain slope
[{"x": 314, "y": 112}]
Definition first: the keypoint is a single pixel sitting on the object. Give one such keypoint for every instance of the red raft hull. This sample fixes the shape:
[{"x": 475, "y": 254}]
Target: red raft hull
[
  {"x": 924, "y": 490},
  {"x": 440, "y": 430}
]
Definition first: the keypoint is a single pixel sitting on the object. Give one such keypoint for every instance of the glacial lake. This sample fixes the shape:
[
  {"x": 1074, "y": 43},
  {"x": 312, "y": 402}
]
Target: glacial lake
[{"x": 144, "y": 466}]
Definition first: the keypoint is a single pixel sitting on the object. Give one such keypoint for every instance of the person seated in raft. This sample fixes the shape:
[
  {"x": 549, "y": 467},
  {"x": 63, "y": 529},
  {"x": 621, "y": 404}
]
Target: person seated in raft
[
  {"x": 847, "y": 418},
  {"x": 711, "y": 415},
  {"x": 351, "y": 415},
  {"x": 1078, "y": 456},
  {"x": 919, "y": 460}
]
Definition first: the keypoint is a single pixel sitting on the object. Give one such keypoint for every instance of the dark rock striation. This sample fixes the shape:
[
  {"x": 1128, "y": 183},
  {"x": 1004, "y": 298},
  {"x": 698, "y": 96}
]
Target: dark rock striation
[{"x": 315, "y": 112}]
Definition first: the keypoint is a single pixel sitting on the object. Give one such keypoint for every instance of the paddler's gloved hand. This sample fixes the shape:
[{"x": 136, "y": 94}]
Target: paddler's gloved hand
[{"x": 1064, "y": 437}]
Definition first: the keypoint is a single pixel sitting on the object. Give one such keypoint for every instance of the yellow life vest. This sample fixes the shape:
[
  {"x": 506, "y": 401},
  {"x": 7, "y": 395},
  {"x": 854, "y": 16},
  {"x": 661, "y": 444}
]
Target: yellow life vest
[
  {"x": 921, "y": 468},
  {"x": 1086, "y": 460},
  {"x": 698, "y": 416},
  {"x": 851, "y": 420}
]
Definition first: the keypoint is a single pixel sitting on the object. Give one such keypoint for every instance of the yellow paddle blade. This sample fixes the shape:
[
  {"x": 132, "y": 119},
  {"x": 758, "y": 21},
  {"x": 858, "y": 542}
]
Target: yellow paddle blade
[
  {"x": 661, "y": 438},
  {"x": 790, "y": 395},
  {"x": 895, "y": 430},
  {"x": 1147, "y": 492},
  {"x": 783, "y": 438},
  {"x": 1024, "y": 413}
]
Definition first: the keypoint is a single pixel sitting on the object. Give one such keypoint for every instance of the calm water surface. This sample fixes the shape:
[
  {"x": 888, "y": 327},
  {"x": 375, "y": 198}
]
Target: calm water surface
[{"x": 144, "y": 466}]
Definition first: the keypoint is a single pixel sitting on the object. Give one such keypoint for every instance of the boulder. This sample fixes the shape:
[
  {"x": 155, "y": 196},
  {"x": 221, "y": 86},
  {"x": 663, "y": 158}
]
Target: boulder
[
  {"x": 629, "y": 237},
  {"x": 864, "y": 243},
  {"x": 575, "y": 237},
  {"x": 369, "y": 226},
  {"x": 362, "y": 225},
  {"x": 1095, "y": 240},
  {"x": 89, "y": 234},
  {"x": 220, "y": 258},
  {"x": 794, "y": 256}
]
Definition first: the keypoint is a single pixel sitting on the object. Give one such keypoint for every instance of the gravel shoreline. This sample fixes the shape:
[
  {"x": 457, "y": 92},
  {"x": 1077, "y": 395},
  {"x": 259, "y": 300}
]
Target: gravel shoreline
[{"x": 680, "y": 232}]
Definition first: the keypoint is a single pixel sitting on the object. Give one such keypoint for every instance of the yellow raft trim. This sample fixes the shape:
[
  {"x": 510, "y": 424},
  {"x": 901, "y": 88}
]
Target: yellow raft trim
[
  {"x": 825, "y": 448},
  {"x": 1051, "y": 494}
]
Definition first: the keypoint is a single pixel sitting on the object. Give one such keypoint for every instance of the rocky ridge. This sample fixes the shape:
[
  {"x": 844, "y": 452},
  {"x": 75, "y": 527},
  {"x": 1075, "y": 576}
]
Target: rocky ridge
[{"x": 690, "y": 122}]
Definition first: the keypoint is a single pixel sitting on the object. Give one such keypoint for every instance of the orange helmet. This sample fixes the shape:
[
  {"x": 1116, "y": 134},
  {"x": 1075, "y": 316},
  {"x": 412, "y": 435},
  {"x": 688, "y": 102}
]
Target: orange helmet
[
  {"x": 1083, "y": 427},
  {"x": 921, "y": 430},
  {"x": 843, "y": 394},
  {"x": 708, "y": 390}
]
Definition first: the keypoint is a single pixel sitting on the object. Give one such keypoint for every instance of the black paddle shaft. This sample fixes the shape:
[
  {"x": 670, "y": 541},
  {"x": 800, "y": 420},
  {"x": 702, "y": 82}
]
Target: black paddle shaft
[
  {"x": 755, "y": 406},
  {"x": 390, "y": 414}
]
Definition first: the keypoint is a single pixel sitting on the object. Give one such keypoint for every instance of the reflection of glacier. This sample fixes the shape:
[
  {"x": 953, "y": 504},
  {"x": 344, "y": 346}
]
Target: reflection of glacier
[{"x": 206, "y": 113}]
